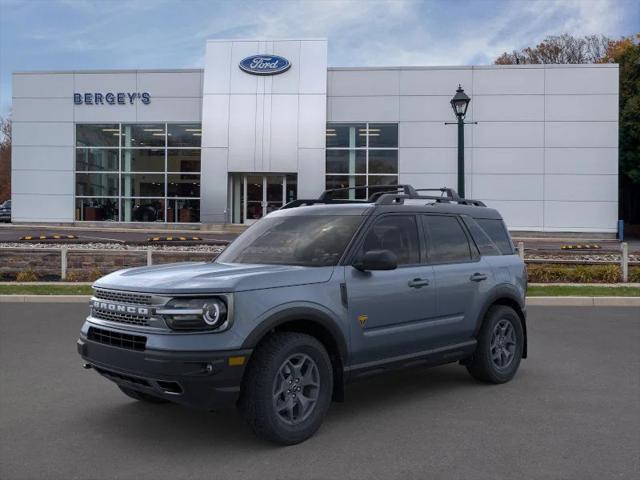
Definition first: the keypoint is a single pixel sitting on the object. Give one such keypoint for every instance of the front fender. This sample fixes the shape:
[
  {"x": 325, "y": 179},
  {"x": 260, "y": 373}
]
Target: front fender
[{"x": 315, "y": 313}]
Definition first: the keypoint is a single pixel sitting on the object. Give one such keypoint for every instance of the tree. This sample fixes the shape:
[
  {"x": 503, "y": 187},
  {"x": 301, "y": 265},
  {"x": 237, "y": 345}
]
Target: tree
[
  {"x": 560, "y": 49},
  {"x": 626, "y": 53},
  {"x": 5, "y": 159},
  {"x": 600, "y": 49}
]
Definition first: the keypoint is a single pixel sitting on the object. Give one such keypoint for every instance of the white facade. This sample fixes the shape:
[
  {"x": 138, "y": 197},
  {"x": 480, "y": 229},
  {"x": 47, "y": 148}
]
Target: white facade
[{"x": 544, "y": 150}]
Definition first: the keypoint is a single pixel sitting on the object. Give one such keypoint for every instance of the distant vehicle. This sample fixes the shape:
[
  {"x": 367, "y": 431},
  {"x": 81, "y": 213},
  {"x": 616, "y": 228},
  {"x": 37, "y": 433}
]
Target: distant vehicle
[
  {"x": 5, "y": 211},
  {"x": 312, "y": 296}
]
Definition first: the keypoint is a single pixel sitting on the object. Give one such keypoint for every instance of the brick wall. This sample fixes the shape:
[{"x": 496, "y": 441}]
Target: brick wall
[{"x": 85, "y": 265}]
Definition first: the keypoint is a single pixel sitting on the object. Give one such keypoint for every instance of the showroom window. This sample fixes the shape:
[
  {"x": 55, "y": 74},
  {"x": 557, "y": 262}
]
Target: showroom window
[
  {"x": 360, "y": 154},
  {"x": 138, "y": 172}
]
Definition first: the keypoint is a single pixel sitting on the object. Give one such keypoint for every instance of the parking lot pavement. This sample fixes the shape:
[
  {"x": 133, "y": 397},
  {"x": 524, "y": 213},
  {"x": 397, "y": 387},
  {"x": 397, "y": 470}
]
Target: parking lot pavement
[{"x": 573, "y": 411}]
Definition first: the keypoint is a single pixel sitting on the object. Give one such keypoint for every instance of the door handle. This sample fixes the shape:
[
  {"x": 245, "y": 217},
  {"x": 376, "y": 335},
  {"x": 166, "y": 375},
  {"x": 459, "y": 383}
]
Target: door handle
[
  {"x": 418, "y": 282},
  {"x": 478, "y": 277}
]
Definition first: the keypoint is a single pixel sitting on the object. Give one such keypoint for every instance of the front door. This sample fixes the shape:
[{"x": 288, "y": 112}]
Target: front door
[
  {"x": 255, "y": 195},
  {"x": 390, "y": 312}
]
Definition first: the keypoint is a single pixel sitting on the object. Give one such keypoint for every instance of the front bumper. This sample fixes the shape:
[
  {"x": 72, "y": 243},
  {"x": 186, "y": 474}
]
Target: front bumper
[{"x": 203, "y": 380}]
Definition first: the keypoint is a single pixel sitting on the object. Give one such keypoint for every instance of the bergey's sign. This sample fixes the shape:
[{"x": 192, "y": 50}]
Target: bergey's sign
[
  {"x": 265, "y": 64},
  {"x": 110, "y": 98}
]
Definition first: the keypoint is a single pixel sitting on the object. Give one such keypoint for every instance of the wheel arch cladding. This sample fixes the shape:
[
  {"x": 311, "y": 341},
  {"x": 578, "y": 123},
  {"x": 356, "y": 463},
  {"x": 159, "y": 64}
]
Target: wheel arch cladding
[
  {"x": 316, "y": 324},
  {"x": 508, "y": 298}
]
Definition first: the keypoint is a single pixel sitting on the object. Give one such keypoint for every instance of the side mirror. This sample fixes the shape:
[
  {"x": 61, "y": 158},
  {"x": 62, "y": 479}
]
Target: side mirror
[{"x": 377, "y": 260}]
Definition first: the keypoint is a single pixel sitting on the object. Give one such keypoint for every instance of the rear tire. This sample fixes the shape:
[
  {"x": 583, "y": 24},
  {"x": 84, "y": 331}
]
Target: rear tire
[
  {"x": 287, "y": 388},
  {"x": 500, "y": 343},
  {"x": 140, "y": 396}
]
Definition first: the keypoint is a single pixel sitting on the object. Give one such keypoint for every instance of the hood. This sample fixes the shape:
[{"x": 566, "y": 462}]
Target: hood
[{"x": 210, "y": 277}]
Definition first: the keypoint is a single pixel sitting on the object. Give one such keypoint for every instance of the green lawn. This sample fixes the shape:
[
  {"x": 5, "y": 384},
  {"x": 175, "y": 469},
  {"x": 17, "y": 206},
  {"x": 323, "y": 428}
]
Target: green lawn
[
  {"x": 52, "y": 289},
  {"x": 586, "y": 291}
]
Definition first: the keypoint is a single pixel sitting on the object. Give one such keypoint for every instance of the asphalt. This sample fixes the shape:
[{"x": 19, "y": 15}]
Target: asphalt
[{"x": 573, "y": 411}]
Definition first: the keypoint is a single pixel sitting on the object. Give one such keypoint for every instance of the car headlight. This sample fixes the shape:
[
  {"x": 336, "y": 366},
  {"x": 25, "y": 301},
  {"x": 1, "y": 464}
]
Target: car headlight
[{"x": 196, "y": 314}]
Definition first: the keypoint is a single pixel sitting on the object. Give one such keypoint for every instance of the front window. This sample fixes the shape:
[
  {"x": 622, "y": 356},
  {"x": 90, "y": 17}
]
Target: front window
[
  {"x": 360, "y": 154},
  {"x": 310, "y": 241},
  {"x": 147, "y": 172}
]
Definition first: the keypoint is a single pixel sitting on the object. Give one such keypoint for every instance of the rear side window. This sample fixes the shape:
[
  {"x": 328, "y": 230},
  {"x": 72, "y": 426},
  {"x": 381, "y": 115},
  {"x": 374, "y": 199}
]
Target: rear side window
[
  {"x": 446, "y": 240},
  {"x": 480, "y": 237},
  {"x": 498, "y": 233},
  {"x": 398, "y": 233}
]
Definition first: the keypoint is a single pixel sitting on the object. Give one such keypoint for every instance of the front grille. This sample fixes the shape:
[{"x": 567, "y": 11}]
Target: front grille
[
  {"x": 128, "y": 318},
  {"x": 117, "y": 339},
  {"x": 122, "y": 297}
]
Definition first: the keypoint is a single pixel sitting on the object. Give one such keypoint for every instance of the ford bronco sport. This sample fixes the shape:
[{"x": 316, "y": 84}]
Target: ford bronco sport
[{"x": 314, "y": 295}]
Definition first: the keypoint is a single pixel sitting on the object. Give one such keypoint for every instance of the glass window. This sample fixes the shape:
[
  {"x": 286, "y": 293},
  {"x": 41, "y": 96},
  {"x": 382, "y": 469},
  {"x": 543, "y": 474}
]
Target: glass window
[
  {"x": 96, "y": 209},
  {"x": 142, "y": 160},
  {"x": 346, "y": 161},
  {"x": 143, "y": 185},
  {"x": 397, "y": 233},
  {"x": 102, "y": 135},
  {"x": 344, "y": 181},
  {"x": 485, "y": 245},
  {"x": 184, "y": 135},
  {"x": 367, "y": 149},
  {"x": 383, "y": 135},
  {"x": 183, "y": 211},
  {"x": 447, "y": 242},
  {"x": 346, "y": 136},
  {"x": 97, "y": 184},
  {"x": 311, "y": 240},
  {"x": 143, "y": 209},
  {"x": 383, "y": 161},
  {"x": 143, "y": 135},
  {"x": 180, "y": 185},
  {"x": 292, "y": 188},
  {"x": 139, "y": 165},
  {"x": 497, "y": 232},
  {"x": 186, "y": 161},
  {"x": 96, "y": 159}
]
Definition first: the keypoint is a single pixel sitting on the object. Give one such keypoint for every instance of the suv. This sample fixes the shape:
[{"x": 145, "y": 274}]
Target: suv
[{"x": 312, "y": 296}]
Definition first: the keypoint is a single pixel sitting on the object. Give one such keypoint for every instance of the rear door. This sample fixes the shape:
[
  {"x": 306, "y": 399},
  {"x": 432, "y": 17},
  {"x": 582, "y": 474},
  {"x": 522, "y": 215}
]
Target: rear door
[
  {"x": 461, "y": 277},
  {"x": 389, "y": 311}
]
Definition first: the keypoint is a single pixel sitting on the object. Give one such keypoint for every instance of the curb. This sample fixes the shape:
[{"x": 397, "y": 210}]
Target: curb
[
  {"x": 584, "y": 301},
  {"x": 531, "y": 301}
]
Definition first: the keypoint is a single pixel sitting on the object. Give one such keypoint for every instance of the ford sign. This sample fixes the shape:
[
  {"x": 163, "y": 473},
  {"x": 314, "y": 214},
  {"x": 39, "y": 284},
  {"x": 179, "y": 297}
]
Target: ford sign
[{"x": 265, "y": 64}]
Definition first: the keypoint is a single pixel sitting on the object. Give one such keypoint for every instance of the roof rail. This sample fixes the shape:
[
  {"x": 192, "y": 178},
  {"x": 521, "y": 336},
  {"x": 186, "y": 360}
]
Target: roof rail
[{"x": 388, "y": 195}]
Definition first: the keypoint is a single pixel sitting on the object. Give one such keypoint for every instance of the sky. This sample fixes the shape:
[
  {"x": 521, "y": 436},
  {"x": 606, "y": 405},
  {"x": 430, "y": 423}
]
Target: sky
[{"x": 109, "y": 34}]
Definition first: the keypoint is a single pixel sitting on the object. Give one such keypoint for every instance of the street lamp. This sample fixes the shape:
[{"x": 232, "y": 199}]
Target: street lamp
[{"x": 460, "y": 103}]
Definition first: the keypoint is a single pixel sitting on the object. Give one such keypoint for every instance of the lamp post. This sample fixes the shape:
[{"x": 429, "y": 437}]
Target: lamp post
[{"x": 460, "y": 103}]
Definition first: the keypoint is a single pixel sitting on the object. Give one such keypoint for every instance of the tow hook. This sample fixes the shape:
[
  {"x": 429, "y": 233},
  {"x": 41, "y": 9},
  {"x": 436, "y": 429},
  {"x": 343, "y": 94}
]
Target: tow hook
[{"x": 86, "y": 366}]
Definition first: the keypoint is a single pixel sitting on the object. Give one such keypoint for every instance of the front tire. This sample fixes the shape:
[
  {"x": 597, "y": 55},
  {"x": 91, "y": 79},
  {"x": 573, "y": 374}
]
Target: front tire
[
  {"x": 500, "y": 344},
  {"x": 287, "y": 389},
  {"x": 141, "y": 396}
]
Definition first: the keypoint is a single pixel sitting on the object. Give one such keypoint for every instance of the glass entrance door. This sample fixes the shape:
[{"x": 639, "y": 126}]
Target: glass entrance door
[{"x": 255, "y": 195}]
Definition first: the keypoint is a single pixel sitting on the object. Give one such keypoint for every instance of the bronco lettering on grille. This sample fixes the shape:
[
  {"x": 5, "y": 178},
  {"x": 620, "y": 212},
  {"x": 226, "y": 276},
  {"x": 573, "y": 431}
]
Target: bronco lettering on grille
[{"x": 114, "y": 307}]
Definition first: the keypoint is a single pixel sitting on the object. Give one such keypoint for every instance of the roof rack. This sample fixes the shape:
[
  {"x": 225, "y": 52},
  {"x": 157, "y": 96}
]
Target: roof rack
[{"x": 388, "y": 195}]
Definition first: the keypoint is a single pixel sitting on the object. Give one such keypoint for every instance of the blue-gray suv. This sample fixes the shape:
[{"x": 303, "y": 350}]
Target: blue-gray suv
[{"x": 313, "y": 296}]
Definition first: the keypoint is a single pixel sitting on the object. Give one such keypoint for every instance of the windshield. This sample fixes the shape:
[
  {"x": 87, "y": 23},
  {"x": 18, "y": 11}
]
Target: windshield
[{"x": 310, "y": 241}]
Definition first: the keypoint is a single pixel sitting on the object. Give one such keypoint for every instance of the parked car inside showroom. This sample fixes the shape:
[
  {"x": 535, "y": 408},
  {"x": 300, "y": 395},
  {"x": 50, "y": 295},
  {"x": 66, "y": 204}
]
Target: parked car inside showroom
[{"x": 5, "y": 211}]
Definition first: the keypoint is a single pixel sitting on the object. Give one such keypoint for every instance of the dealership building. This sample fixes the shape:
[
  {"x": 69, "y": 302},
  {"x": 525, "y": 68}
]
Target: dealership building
[{"x": 266, "y": 122}]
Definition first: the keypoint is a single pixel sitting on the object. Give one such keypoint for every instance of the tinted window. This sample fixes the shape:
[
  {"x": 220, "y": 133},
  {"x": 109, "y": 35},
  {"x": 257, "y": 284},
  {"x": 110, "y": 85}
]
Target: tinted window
[
  {"x": 480, "y": 237},
  {"x": 397, "y": 233},
  {"x": 313, "y": 241},
  {"x": 498, "y": 233},
  {"x": 447, "y": 242}
]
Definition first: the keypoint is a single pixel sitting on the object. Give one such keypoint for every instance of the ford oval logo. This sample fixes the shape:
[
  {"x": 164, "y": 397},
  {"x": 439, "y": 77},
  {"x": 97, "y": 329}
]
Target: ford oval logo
[{"x": 265, "y": 64}]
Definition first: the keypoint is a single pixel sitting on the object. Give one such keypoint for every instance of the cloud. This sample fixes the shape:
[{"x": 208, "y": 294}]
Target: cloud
[{"x": 85, "y": 34}]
